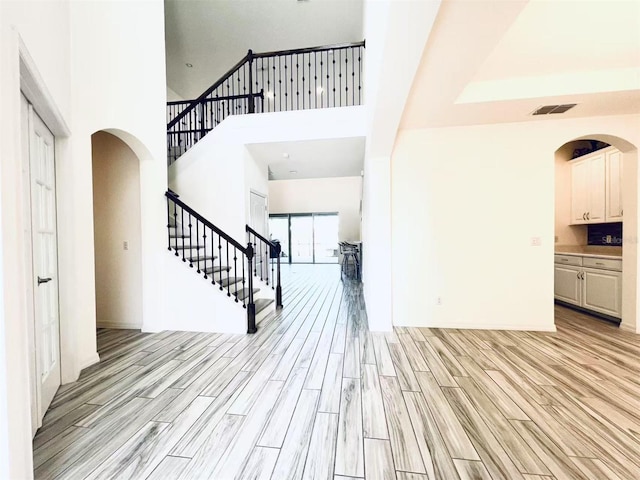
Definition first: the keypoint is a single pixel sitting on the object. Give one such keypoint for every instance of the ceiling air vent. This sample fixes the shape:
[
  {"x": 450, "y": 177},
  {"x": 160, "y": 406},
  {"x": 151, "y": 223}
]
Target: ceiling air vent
[{"x": 549, "y": 109}]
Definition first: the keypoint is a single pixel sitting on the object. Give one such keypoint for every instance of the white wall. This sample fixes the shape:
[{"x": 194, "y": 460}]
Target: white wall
[
  {"x": 116, "y": 216},
  {"x": 389, "y": 27},
  {"x": 230, "y": 171},
  {"x": 466, "y": 202},
  {"x": 340, "y": 194},
  {"x": 120, "y": 86},
  {"x": 96, "y": 65},
  {"x": 46, "y": 37}
]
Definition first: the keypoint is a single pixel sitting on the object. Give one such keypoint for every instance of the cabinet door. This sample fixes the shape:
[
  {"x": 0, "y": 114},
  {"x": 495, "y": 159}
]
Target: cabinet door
[
  {"x": 614, "y": 186},
  {"x": 579, "y": 178},
  {"x": 568, "y": 286},
  {"x": 596, "y": 189},
  {"x": 602, "y": 291}
]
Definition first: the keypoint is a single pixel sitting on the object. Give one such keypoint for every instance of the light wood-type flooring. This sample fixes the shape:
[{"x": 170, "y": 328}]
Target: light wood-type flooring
[{"x": 315, "y": 395}]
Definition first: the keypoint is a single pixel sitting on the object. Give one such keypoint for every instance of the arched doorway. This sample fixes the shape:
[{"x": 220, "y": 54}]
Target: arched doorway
[
  {"x": 117, "y": 232},
  {"x": 568, "y": 234}
]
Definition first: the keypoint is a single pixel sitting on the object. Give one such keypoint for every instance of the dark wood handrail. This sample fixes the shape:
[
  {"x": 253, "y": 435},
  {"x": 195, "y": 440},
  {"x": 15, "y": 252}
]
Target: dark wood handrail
[
  {"x": 257, "y": 235},
  {"x": 233, "y": 69},
  {"x": 187, "y": 208},
  {"x": 323, "y": 48}
]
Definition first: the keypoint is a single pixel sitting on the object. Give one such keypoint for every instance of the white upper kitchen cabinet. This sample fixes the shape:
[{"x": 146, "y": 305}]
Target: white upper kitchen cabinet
[
  {"x": 588, "y": 189},
  {"x": 614, "y": 207}
]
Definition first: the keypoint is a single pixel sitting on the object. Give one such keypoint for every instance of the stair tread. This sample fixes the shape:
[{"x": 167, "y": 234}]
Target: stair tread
[
  {"x": 262, "y": 303},
  {"x": 203, "y": 258},
  {"x": 217, "y": 269},
  {"x": 244, "y": 293},
  {"x": 186, "y": 247},
  {"x": 229, "y": 281}
]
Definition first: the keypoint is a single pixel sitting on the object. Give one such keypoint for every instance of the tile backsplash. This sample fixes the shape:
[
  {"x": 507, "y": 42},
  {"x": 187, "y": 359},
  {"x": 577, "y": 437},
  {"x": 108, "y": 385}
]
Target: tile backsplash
[{"x": 605, "y": 234}]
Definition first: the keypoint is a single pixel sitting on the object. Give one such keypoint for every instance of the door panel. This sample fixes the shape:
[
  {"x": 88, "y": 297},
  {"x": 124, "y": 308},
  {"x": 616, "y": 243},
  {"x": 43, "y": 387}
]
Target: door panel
[
  {"x": 45, "y": 261},
  {"x": 568, "y": 286},
  {"x": 603, "y": 291}
]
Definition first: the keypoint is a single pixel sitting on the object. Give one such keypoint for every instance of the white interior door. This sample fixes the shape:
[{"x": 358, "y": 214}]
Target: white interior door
[
  {"x": 45, "y": 262},
  {"x": 258, "y": 204}
]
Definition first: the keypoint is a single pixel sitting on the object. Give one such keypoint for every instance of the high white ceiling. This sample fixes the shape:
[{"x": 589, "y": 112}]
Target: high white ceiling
[
  {"x": 340, "y": 157},
  {"x": 491, "y": 62},
  {"x": 213, "y": 35}
]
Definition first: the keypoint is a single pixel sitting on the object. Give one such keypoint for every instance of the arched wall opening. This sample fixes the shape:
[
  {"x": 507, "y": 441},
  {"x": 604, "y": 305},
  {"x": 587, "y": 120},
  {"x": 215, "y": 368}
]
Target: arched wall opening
[
  {"x": 117, "y": 232},
  {"x": 573, "y": 235}
]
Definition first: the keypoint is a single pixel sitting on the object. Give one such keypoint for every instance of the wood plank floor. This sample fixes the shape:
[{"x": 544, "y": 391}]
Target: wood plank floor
[{"x": 315, "y": 395}]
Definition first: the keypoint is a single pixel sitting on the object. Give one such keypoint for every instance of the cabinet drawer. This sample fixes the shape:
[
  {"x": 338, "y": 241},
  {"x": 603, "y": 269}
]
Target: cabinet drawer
[
  {"x": 602, "y": 263},
  {"x": 568, "y": 260}
]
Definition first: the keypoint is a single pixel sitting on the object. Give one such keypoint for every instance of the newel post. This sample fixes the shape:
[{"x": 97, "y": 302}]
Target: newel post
[
  {"x": 252, "y": 107},
  {"x": 251, "y": 306},
  {"x": 278, "y": 284}
]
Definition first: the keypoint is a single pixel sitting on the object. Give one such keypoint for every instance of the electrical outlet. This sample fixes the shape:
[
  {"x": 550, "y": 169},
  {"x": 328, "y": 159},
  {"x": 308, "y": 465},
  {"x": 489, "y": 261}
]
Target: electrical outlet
[
  {"x": 439, "y": 301},
  {"x": 536, "y": 241},
  {"x": 125, "y": 245}
]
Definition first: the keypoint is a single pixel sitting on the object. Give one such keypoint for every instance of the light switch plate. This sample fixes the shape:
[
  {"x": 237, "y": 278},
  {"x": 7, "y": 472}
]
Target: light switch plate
[{"x": 536, "y": 241}]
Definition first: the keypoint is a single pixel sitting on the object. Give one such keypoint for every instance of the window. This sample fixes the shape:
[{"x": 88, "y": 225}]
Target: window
[{"x": 306, "y": 237}]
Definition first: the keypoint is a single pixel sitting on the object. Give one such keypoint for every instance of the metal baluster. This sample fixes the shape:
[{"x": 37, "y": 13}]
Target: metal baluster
[
  {"x": 286, "y": 84},
  {"x": 340, "y": 77},
  {"x": 204, "y": 243},
  {"x": 220, "y": 259},
  {"x": 182, "y": 234},
  {"x": 265, "y": 265},
  {"x": 190, "y": 244},
  {"x": 272, "y": 277},
  {"x": 213, "y": 260},
  {"x": 197, "y": 240},
  {"x": 333, "y": 60},
  {"x": 235, "y": 268},
  {"x": 353, "y": 80},
  {"x": 175, "y": 223},
  {"x": 228, "y": 286},
  {"x": 297, "y": 85},
  {"x": 169, "y": 223},
  {"x": 360, "y": 50}
]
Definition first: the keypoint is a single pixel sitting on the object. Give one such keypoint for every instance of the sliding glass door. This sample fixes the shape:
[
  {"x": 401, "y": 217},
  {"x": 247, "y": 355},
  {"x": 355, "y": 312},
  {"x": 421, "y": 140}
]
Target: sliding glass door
[{"x": 306, "y": 237}]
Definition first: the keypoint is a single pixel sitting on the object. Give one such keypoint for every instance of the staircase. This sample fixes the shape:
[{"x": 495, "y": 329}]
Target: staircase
[
  {"x": 234, "y": 269},
  {"x": 308, "y": 78}
]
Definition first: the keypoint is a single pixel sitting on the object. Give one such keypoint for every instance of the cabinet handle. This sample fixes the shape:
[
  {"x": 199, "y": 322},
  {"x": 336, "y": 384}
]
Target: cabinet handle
[
  {"x": 584, "y": 216},
  {"x": 582, "y": 275},
  {"x": 578, "y": 275},
  {"x": 587, "y": 215},
  {"x": 564, "y": 259},
  {"x": 600, "y": 263},
  {"x": 621, "y": 212}
]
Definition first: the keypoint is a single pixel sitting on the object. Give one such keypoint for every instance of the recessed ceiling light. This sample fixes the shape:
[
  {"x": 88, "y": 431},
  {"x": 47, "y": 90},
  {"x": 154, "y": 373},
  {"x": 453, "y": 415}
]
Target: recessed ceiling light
[
  {"x": 293, "y": 171},
  {"x": 190, "y": 65},
  {"x": 285, "y": 155}
]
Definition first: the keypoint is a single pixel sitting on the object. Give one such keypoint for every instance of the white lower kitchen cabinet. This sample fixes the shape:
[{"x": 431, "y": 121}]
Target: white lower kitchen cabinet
[
  {"x": 603, "y": 291},
  {"x": 568, "y": 285},
  {"x": 590, "y": 282}
]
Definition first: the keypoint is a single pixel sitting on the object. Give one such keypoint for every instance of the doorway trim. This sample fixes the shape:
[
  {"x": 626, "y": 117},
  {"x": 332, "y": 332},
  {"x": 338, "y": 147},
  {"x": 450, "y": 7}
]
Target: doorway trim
[{"x": 35, "y": 90}]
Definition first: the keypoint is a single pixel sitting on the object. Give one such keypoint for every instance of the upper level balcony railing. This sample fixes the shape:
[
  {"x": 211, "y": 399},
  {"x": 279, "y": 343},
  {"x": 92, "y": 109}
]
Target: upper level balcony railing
[{"x": 300, "y": 79}]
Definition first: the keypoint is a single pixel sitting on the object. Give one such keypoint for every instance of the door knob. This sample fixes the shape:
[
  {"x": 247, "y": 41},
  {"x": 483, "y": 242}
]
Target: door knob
[{"x": 43, "y": 280}]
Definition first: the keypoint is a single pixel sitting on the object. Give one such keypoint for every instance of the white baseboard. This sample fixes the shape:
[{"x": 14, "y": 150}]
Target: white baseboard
[
  {"x": 87, "y": 362},
  {"x": 463, "y": 326},
  {"x": 119, "y": 325},
  {"x": 627, "y": 328}
]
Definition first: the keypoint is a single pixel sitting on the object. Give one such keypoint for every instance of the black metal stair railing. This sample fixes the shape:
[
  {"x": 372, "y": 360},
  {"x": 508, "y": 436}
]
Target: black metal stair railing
[
  {"x": 213, "y": 253},
  {"x": 267, "y": 255},
  {"x": 300, "y": 79}
]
